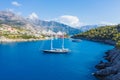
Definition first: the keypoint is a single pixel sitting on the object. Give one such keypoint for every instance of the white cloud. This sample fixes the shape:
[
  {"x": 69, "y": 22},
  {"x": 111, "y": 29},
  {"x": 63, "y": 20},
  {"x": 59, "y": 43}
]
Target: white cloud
[
  {"x": 33, "y": 16},
  {"x": 72, "y": 21},
  {"x": 16, "y": 3},
  {"x": 107, "y": 23}
]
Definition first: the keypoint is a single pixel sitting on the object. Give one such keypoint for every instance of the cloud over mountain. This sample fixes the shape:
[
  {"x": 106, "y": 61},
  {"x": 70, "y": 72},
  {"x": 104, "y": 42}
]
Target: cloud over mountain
[
  {"x": 16, "y": 4},
  {"x": 107, "y": 23},
  {"x": 69, "y": 20}
]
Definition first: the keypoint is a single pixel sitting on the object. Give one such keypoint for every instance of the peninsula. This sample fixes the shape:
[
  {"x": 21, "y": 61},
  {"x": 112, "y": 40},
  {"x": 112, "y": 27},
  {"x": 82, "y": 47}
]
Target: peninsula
[{"x": 109, "y": 70}]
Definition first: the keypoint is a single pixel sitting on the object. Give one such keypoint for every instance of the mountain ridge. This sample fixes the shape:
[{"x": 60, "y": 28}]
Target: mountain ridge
[{"x": 10, "y": 18}]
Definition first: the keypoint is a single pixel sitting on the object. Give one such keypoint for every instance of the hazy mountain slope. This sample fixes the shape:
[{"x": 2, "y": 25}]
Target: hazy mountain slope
[
  {"x": 88, "y": 27},
  {"x": 55, "y": 26},
  {"x": 10, "y": 18}
]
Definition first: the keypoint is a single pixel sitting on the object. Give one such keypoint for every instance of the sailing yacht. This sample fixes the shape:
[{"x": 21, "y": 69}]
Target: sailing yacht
[{"x": 58, "y": 50}]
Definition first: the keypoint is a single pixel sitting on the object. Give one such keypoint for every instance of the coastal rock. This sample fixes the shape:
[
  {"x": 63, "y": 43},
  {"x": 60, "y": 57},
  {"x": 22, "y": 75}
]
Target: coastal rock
[
  {"x": 103, "y": 65},
  {"x": 106, "y": 72},
  {"x": 109, "y": 70}
]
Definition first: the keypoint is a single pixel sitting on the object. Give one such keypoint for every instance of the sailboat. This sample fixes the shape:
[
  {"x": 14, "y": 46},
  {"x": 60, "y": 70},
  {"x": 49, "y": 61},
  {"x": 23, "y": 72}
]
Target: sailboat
[{"x": 58, "y": 50}]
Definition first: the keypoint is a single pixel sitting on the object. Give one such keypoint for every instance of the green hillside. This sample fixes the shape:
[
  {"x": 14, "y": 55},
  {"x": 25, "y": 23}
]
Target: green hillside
[
  {"x": 11, "y": 32},
  {"x": 102, "y": 33}
]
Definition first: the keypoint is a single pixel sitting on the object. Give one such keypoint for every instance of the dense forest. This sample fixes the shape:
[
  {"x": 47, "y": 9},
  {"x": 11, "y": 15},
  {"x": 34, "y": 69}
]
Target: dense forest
[{"x": 103, "y": 33}]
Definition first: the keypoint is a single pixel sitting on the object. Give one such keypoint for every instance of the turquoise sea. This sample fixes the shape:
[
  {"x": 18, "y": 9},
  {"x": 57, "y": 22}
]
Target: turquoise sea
[{"x": 26, "y": 61}]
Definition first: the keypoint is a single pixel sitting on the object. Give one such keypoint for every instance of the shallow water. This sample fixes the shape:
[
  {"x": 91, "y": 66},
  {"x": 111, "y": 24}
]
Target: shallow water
[{"x": 26, "y": 61}]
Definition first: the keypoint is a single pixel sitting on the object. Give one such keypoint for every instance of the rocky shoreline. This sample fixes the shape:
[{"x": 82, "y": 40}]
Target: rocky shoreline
[
  {"x": 109, "y": 70},
  {"x": 110, "y": 42},
  {"x": 18, "y": 40}
]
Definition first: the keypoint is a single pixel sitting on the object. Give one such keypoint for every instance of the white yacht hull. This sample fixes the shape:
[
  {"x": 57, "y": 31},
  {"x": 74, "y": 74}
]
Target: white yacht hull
[{"x": 57, "y": 51}]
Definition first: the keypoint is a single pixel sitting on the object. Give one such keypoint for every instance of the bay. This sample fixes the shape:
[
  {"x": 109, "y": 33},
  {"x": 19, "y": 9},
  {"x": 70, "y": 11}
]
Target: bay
[{"x": 26, "y": 61}]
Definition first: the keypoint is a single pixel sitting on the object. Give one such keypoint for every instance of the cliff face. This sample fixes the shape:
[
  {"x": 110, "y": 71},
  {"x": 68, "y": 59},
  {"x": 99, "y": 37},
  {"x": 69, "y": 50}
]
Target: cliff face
[{"x": 109, "y": 70}]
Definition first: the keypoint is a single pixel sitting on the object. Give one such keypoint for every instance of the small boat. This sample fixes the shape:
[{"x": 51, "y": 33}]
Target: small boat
[
  {"x": 76, "y": 40},
  {"x": 60, "y": 50}
]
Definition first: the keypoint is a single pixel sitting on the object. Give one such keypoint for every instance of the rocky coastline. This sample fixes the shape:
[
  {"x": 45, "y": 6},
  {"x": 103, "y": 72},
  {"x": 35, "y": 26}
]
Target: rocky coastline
[
  {"x": 110, "y": 42},
  {"x": 18, "y": 40},
  {"x": 109, "y": 70}
]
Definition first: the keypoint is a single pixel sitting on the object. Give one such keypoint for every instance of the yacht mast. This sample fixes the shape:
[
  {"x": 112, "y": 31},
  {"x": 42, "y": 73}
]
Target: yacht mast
[
  {"x": 51, "y": 42},
  {"x": 51, "y": 36},
  {"x": 63, "y": 42}
]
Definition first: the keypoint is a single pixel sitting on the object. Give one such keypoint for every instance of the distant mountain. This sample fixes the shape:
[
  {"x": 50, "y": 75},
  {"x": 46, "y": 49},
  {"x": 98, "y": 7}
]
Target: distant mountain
[
  {"x": 88, "y": 27},
  {"x": 55, "y": 26},
  {"x": 10, "y": 18}
]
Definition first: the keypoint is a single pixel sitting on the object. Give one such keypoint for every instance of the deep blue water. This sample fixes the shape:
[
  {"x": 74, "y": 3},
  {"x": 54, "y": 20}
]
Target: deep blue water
[{"x": 26, "y": 61}]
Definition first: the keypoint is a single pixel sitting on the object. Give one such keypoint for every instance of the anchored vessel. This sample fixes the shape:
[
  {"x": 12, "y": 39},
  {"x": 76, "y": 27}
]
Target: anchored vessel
[
  {"x": 76, "y": 40},
  {"x": 58, "y": 50}
]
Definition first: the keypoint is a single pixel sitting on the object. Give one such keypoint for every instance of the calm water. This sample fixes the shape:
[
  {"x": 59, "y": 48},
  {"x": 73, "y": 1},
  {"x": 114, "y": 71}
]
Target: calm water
[{"x": 25, "y": 61}]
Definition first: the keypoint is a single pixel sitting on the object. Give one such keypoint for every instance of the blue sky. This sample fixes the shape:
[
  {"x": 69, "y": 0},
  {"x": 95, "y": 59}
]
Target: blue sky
[{"x": 68, "y": 11}]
